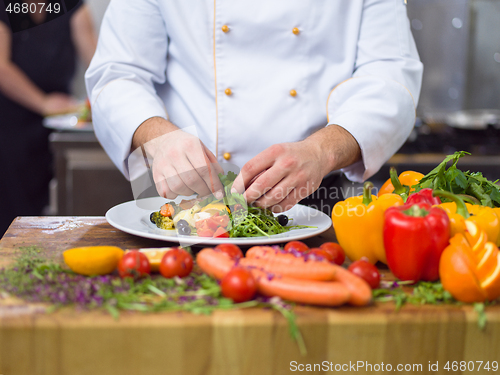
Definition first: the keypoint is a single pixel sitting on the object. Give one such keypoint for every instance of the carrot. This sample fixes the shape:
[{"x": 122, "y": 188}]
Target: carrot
[{"x": 303, "y": 266}]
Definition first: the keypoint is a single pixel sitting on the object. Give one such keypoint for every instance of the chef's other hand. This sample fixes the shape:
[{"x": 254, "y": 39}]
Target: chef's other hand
[
  {"x": 181, "y": 163},
  {"x": 285, "y": 173},
  {"x": 58, "y": 103}
]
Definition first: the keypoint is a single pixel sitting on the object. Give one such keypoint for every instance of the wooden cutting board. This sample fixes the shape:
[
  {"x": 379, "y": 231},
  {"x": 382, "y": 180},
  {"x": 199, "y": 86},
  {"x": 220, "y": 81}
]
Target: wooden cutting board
[{"x": 252, "y": 341}]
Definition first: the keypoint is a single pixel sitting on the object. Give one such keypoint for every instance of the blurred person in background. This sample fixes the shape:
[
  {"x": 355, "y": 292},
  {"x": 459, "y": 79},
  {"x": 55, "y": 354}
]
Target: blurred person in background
[{"x": 37, "y": 63}]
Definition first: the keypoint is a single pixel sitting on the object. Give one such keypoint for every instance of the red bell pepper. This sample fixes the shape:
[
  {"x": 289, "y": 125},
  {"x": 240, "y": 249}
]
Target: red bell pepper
[
  {"x": 414, "y": 238},
  {"x": 423, "y": 196}
]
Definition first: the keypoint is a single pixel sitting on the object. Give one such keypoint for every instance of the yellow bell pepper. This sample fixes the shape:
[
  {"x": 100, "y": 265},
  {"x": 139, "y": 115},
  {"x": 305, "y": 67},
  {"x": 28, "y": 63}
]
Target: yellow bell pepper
[
  {"x": 358, "y": 223},
  {"x": 485, "y": 217}
]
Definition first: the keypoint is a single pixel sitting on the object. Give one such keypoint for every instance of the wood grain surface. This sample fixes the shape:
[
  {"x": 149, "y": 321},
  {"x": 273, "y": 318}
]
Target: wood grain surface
[{"x": 251, "y": 341}]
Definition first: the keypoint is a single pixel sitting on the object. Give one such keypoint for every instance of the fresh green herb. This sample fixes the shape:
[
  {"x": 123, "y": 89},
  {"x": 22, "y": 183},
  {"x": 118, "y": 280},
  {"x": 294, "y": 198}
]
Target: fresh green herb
[
  {"x": 248, "y": 221},
  {"x": 479, "y": 308},
  {"x": 286, "y": 310},
  {"x": 257, "y": 222},
  {"x": 231, "y": 199},
  {"x": 422, "y": 293},
  {"x": 34, "y": 278},
  {"x": 456, "y": 181}
]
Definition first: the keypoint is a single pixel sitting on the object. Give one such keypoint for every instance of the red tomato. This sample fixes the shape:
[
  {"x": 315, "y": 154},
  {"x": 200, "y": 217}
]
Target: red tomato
[
  {"x": 222, "y": 220},
  {"x": 176, "y": 262},
  {"x": 203, "y": 230},
  {"x": 335, "y": 250},
  {"x": 366, "y": 271},
  {"x": 221, "y": 233},
  {"x": 212, "y": 223},
  {"x": 238, "y": 285},
  {"x": 299, "y": 246},
  {"x": 134, "y": 264},
  {"x": 322, "y": 253},
  {"x": 230, "y": 249}
]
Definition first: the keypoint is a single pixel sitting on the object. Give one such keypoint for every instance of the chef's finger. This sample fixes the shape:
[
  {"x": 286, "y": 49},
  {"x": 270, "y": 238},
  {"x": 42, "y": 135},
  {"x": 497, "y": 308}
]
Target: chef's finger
[
  {"x": 287, "y": 203},
  {"x": 207, "y": 181},
  {"x": 161, "y": 186},
  {"x": 213, "y": 160},
  {"x": 175, "y": 184},
  {"x": 253, "y": 168},
  {"x": 191, "y": 179},
  {"x": 263, "y": 183},
  {"x": 215, "y": 170},
  {"x": 277, "y": 194}
]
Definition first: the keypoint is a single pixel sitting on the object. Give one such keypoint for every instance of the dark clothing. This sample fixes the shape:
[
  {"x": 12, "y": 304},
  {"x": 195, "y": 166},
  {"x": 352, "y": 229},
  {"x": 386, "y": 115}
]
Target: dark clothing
[
  {"x": 45, "y": 53},
  {"x": 330, "y": 192}
]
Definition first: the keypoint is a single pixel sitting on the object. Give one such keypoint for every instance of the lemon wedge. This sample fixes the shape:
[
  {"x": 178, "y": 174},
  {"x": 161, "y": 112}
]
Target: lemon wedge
[
  {"x": 93, "y": 260},
  {"x": 215, "y": 207}
]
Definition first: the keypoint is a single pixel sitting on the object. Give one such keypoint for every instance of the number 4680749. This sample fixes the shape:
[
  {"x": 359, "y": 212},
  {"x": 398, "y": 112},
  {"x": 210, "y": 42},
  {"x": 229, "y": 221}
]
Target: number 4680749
[
  {"x": 471, "y": 366},
  {"x": 33, "y": 8}
]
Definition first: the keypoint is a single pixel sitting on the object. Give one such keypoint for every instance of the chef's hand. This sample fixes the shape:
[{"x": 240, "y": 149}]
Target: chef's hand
[
  {"x": 283, "y": 174},
  {"x": 182, "y": 164}
]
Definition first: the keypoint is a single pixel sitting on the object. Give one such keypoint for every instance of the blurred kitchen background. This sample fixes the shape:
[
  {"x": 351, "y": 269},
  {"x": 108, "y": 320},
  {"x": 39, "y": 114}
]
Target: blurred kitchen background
[{"x": 459, "y": 109}]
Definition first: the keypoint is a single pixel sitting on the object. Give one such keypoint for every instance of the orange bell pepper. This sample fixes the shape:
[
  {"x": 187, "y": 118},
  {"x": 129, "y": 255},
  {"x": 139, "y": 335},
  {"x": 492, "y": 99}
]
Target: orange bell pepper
[
  {"x": 358, "y": 223},
  {"x": 469, "y": 267},
  {"x": 485, "y": 217},
  {"x": 401, "y": 184}
]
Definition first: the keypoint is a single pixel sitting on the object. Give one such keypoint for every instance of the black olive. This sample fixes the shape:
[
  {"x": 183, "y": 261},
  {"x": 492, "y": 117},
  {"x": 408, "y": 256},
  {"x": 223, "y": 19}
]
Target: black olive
[
  {"x": 283, "y": 220},
  {"x": 186, "y": 231},
  {"x": 152, "y": 217},
  {"x": 182, "y": 223}
]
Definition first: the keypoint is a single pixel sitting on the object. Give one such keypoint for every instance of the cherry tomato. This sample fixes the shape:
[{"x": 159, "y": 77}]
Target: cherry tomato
[
  {"x": 230, "y": 249},
  {"x": 203, "y": 230},
  {"x": 366, "y": 271},
  {"x": 299, "y": 246},
  {"x": 322, "y": 253},
  {"x": 176, "y": 262},
  {"x": 134, "y": 264},
  {"x": 336, "y": 251},
  {"x": 238, "y": 285},
  {"x": 167, "y": 210}
]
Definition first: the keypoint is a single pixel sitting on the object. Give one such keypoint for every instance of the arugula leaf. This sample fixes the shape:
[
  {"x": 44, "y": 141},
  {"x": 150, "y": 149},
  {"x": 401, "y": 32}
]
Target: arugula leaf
[{"x": 456, "y": 181}]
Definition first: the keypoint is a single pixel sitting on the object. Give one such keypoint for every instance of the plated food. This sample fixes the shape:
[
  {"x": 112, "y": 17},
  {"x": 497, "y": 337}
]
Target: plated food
[
  {"x": 80, "y": 121},
  {"x": 221, "y": 218}
]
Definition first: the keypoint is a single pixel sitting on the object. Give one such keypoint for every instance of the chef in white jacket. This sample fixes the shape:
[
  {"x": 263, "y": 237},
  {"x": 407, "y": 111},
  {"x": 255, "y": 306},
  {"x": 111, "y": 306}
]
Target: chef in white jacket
[{"x": 288, "y": 90}]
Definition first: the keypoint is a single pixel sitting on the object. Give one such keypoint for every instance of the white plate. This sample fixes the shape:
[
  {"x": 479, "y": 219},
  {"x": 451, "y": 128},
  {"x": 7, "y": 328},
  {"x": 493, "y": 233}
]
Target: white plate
[
  {"x": 68, "y": 122},
  {"x": 133, "y": 217}
]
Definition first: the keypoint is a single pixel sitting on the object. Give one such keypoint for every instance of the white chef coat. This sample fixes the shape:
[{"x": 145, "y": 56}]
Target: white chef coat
[{"x": 291, "y": 67}]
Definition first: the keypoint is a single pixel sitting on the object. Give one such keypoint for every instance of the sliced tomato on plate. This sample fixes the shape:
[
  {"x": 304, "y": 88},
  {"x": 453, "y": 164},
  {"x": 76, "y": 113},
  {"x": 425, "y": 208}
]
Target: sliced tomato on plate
[{"x": 221, "y": 233}]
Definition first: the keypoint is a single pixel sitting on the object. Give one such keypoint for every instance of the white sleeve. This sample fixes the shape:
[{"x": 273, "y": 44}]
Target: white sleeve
[
  {"x": 131, "y": 57},
  {"x": 377, "y": 105}
]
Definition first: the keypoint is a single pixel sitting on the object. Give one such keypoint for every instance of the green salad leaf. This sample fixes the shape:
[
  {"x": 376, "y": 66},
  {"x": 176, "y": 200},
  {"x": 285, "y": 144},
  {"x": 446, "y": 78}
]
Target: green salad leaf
[{"x": 456, "y": 181}]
